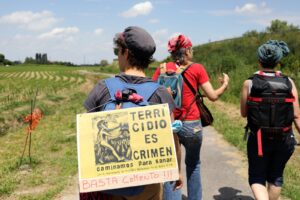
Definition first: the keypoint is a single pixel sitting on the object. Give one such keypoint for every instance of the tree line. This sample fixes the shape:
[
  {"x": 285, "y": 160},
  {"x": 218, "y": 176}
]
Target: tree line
[{"x": 237, "y": 56}]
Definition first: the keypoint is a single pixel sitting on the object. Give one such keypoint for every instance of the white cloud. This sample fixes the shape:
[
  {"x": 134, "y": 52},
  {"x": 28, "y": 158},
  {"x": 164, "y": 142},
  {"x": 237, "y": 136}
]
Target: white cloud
[
  {"x": 245, "y": 10},
  {"x": 154, "y": 21},
  {"x": 98, "y": 31},
  {"x": 30, "y": 20},
  {"x": 143, "y": 8},
  {"x": 251, "y": 8},
  {"x": 60, "y": 33}
]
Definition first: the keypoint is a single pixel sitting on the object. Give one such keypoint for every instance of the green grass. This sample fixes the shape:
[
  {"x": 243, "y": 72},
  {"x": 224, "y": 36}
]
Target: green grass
[
  {"x": 231, "y": 127},
  {"x": 53, "y": 150}
]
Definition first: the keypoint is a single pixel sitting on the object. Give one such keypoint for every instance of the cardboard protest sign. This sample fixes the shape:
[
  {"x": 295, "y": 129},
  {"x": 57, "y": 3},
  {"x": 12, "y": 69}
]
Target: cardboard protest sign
[{"x": 125, "y": 147}]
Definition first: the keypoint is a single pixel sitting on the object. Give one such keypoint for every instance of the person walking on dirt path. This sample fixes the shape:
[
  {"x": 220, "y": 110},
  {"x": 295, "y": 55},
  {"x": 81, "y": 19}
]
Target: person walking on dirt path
[
  {"x": 180, "y": 48},
  {"x": 134, "y": 48},
  {"x": 269, "y": 100}
]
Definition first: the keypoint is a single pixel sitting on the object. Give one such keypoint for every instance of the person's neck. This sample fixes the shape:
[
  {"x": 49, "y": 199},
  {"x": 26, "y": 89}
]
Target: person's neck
[
  {"x": 135, "y": 72},
  {"x": 267, "y": 70},
  {"x": 187, "y": 63}
]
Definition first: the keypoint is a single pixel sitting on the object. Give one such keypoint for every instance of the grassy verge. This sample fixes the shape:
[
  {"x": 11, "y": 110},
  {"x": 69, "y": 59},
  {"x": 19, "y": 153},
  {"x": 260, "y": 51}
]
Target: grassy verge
[
  {"x": 53, "y": 149},
  {"x": 230, "y": 124}
]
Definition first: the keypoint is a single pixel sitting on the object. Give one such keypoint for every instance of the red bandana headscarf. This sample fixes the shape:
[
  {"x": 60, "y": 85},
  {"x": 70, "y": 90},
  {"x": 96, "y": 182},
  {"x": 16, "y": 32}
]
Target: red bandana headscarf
[{"x": 178, "y": 42}]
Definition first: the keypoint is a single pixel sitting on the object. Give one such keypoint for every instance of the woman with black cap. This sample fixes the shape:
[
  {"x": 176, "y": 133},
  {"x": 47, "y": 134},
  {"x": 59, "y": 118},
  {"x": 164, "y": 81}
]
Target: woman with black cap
[{"x": 270, "y": 102}]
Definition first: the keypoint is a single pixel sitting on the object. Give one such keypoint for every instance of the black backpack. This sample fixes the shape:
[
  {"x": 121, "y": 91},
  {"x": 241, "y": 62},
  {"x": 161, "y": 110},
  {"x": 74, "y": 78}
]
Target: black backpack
[{"x": 270, "y": 111}]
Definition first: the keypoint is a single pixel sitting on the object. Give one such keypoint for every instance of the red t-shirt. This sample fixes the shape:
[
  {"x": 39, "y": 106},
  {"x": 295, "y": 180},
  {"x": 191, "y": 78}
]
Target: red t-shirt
[{"x": 196, "y": 75}]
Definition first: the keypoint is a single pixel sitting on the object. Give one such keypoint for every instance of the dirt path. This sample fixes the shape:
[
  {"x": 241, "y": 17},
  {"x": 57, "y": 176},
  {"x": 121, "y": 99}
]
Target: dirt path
[{"x": 224, "y": 169}]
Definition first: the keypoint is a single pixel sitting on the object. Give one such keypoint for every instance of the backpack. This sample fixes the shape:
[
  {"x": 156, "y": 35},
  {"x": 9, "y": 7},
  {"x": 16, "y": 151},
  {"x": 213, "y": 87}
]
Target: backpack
[
  {"x": 173, "y": 80},
  {"x": 120, "y": 92},
  {"x": 270, "y": 112},
  {"x": 115, "y": 84}
]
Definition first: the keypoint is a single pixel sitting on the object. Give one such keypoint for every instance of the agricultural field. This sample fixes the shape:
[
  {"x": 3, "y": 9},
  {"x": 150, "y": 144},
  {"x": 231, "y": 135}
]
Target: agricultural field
[{"x": 59, "y": 92}]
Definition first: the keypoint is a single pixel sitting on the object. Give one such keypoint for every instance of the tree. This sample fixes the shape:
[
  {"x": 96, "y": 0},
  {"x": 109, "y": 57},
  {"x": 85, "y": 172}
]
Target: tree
[
  {"x": 7, "y": 62},
  {"x": 2, "y": 58},
  {"x": 278, "y": 26},
  {"x": 291, "y": 63},
  {"x": 29, "y": 60},
  {"x": 252, "y": 33},
  {"x": 104, "y": 63}
]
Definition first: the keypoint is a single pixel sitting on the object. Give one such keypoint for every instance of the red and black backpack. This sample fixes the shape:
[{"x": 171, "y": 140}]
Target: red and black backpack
[{"x": 270, "y": 112}]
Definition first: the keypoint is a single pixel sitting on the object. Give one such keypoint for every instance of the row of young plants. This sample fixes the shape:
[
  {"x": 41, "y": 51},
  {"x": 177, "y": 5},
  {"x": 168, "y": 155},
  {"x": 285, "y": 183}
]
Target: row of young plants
[
  {"x": 16, "y": 92},
  {"x": 53, "y": 142}
]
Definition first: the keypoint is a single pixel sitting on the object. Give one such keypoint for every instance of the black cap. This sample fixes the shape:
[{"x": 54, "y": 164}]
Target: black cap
[{"x": 139, "y": 41}]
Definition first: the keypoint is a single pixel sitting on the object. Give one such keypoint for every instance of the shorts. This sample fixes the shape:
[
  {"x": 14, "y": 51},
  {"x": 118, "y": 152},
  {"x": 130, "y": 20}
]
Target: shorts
[{"x": 270, "y": 167}]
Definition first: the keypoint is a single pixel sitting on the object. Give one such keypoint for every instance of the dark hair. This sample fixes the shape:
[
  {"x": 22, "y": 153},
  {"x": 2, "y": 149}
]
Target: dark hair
[
  {"x": 178, "y": 56},
  {"x": 140, "y": 62},
  {"x": 268, "y": 65}
]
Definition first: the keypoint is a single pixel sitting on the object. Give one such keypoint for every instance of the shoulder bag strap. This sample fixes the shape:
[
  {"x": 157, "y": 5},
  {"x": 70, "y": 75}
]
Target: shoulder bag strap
[{"x": 181, "y": 69}]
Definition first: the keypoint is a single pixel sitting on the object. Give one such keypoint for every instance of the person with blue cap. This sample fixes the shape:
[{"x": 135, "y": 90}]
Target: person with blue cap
[{"x": 269, "y": 100}]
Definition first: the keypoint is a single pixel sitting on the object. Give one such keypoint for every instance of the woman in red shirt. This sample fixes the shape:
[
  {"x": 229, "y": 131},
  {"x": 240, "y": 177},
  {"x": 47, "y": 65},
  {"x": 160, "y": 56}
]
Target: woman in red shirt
[{"x": 180, "y": 48}]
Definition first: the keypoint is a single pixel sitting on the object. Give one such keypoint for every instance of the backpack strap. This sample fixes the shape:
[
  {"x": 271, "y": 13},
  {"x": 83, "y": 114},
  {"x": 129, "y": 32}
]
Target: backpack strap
[
  {"x": 273, "y": 73},
  {"x": 115, "y": 84},
  {"x": 180, "y": 69}
]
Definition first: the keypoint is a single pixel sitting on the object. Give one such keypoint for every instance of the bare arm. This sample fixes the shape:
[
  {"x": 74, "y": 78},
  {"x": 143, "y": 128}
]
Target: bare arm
[
  {"x": 296, "y": 107},
  {"x": 214, "y": 94},
  {"x": 244, "y": 96}
]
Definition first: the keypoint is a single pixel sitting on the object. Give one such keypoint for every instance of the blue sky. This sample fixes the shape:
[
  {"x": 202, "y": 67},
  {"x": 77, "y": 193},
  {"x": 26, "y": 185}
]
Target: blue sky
[{"x": 81, "y": 31}]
